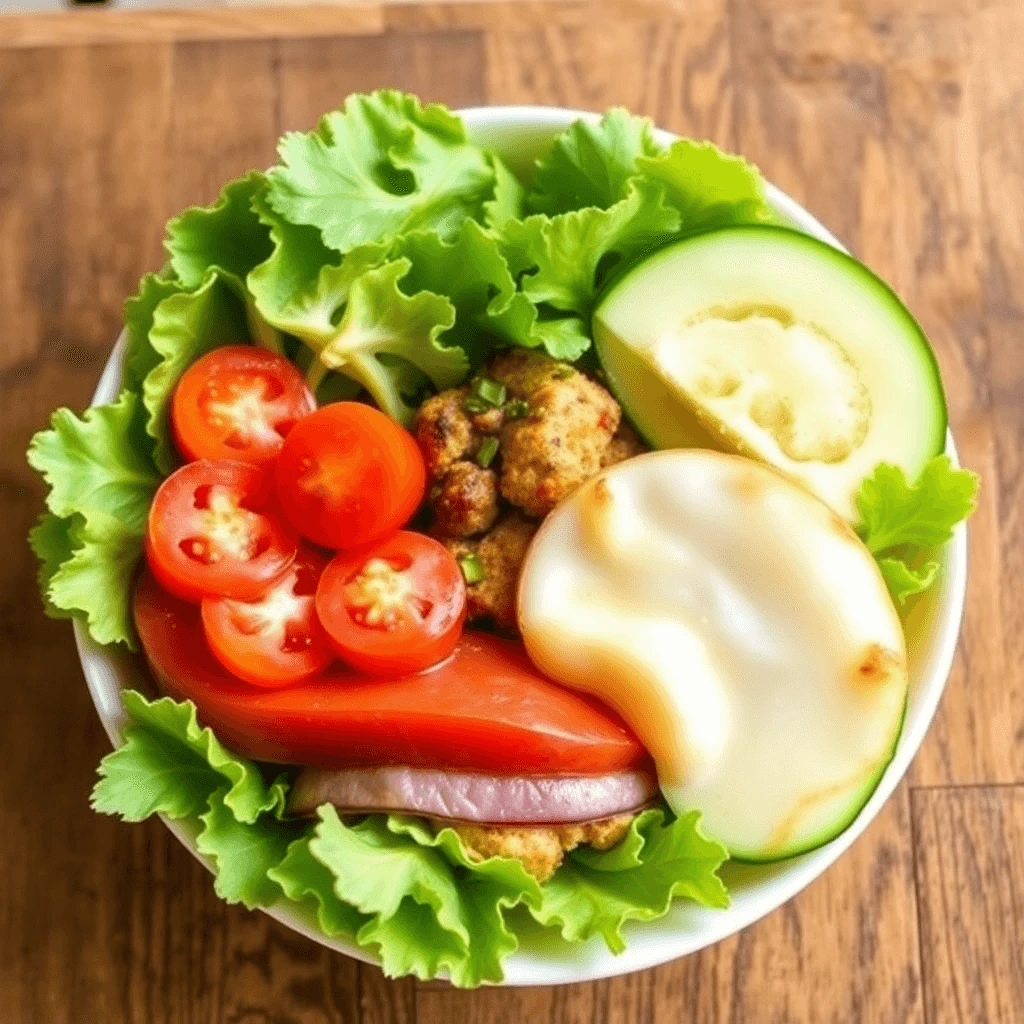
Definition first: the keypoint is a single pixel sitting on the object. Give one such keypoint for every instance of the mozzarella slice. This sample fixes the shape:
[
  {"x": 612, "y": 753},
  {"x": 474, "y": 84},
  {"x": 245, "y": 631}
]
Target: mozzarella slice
[{"x": 741, "y": 629}]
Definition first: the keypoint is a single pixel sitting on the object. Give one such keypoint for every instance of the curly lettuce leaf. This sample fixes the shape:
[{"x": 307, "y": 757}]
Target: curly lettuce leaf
[
  {"x": 381, "y": 320},
  {"x": 52, "y": 543},
  {"x": 227, "y": 237},
  {"x": 595, "y": 892},
  {"x": 709, "y": 188},
  {"x": 101, "y": 481},
  {"x": 170, "y": 765},
  {"x": 509, "y": 197},
  {"x": 186, "y": 325},
  {"x": 472, "y": 274},
  {"x": 140, "y": 357},
  {"x": 302, "y": 286},
  {"x": 562, "y": 255},
  {"x": 590, "y": 164},
  {"x": 243, "y": 852},
  {"x": 421, "y": 903},
  {"x": 380, "y": 166}
]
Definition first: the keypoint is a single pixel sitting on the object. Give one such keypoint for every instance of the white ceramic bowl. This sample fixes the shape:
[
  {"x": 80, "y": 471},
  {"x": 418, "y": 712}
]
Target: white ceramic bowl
[{"x": 519, "y": 134}]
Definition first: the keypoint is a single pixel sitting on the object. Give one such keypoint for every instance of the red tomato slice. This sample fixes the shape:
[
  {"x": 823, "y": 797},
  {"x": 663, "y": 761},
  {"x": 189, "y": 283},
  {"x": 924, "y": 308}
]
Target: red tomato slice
[
  {"x": 349, "y": 475},
  {"x": 485, "y": 709},
  {"x": 238, "y": 402},
  {"x": 213, "y": 531},
  {"x": 394, "y": 608},
  {"x": 278, "y": 639}
]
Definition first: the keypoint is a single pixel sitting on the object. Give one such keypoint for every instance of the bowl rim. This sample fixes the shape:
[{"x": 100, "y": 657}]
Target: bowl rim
[{"x": 100, "y": 667}]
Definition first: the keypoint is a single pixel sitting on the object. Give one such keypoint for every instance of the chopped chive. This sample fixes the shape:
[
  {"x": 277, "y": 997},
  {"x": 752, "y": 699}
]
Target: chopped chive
[
  {"x": 517, "y": 409},
  {"x": 488, "y": 449},
  {"x": 472, "y": 569},
  {"x": 474, "y": 405},
  {"x": 489, "y": 390}
]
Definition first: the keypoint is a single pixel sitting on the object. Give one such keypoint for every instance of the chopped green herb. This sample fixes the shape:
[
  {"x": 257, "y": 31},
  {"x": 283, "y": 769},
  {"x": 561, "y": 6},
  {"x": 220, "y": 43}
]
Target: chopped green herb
[
  {"x": 562, "y": 371},
  {"x": 472, "y": 569},
  {"x": 489, "y": 390},
  {"x": 474, "y": 405},
  {"x": 516, "y": 409},
  {"x": 488, "y": 449}
]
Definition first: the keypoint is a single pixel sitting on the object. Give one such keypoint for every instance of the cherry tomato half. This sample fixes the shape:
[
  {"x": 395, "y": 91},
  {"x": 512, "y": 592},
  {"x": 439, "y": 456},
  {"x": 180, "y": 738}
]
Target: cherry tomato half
[
  {"x": 397, "y": 607},
  {"x": 238, "y": 402},
  {"x": 349, "y": 475},
  {"x": 214, "y": 530},
  {"x": 277, "y": 639}
]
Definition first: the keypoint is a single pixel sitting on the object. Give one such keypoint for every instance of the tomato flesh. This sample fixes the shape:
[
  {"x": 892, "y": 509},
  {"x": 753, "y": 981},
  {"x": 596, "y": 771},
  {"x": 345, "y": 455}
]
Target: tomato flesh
[
  {"x": 349, "y": 475},
  {"x": 394, "y": 608},
  {"x": 238, "y": 402},
  {"x": 213, "y": 530},
  {"x": 277, "y": 639},
  {"x": 484, "y": 709}
]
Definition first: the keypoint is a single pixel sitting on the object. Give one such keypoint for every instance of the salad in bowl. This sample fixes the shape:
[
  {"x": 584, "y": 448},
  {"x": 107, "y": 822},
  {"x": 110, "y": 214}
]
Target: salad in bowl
[{"x": 492, "y": 533}]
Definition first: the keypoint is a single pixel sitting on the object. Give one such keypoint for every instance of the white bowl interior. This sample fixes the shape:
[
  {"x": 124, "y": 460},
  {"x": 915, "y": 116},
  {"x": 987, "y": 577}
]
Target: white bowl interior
[{"x": 519, "y": 134}]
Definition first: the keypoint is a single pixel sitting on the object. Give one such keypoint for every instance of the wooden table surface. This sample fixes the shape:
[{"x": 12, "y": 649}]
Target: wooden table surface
[{"x": 899, "y": 123}]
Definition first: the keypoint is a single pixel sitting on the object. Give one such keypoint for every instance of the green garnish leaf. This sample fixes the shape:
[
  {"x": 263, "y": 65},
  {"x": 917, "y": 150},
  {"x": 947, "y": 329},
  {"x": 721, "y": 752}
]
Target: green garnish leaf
[
  {"x": 489, "y": 390},
  {"x": 168, "y": 764},
  {"x": 590, "y": 164},
  {"x": 381, "y": 166},
  {"x": 708, "y": 187},
  {"x": 893, "y": 512},
  {"x": 900, "y": 522},
  {"x": 488, "y": 449},
  {"x": 595, "y": 892},
  {"x": 52, "y": 543},
  {"x": 472, "y": 569},
  {"x": 101, "y": 482},
  {"x": 903, "y": 581},
  {"x": 516, "y": 409}
]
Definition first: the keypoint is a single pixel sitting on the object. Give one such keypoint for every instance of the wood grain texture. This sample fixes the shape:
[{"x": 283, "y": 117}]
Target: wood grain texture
[
  {"x": 900, "y": 125},
  {"x": 969, "y": 851}
]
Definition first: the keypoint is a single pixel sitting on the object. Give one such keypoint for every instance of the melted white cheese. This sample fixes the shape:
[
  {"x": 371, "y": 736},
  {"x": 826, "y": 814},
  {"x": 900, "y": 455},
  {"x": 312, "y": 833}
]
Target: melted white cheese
[{"x": 738, "y": 625}]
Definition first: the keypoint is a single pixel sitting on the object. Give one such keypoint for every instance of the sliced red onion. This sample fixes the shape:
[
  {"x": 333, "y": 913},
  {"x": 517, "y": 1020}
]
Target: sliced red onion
[{"x": 489, "y": 799}]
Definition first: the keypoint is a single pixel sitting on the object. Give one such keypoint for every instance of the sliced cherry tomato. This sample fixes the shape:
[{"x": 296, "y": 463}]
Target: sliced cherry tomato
[
  {"x": 349, "y": 475},
  {"x": 396, "y": 607},
  {"x": 484, "y": 709},
  {"x": 214, "y": 530},
  {"x": 278, "y": 639},
  {"x": 238, "y": 402}
]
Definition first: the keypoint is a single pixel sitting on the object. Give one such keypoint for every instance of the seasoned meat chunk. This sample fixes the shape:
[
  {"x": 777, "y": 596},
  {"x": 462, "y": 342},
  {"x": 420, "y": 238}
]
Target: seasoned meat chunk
[
  {"x": 444, "y": 431},
  {"x": 448, "y": 433},
  {"x": 540, "y": 849},
  {"x": 500, "y": 554},
  {"x": 563, "y": 439},
  {"x": 625, "y": 444},
  {"x": 465, "y": 502}
]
